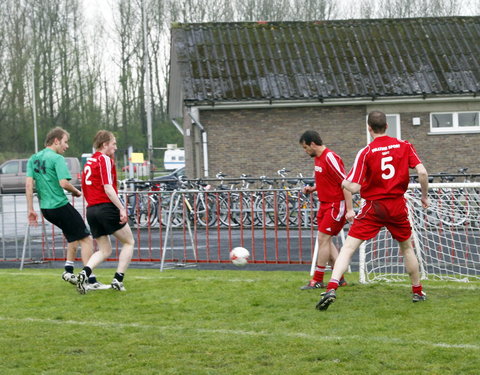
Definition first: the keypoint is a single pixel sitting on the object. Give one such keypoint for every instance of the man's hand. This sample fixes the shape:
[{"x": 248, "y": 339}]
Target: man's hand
[
  {"x": 32, "y": 218},
  {"x": 77, "y": 193},
  {"x": 350, "y": 215},
  {"x": 123, "y": 216},
  {"x": 425, "y": 202},
  {"x": 308, "y": 189}
]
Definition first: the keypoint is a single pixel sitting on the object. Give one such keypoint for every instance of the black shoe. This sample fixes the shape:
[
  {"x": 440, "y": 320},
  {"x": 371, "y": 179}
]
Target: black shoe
[
  {"x": 328, "y": 298},
  {"x": 313, "y": 285},
  {"x": 82, "y": 282},
  {"x": 419, "y": 297}
]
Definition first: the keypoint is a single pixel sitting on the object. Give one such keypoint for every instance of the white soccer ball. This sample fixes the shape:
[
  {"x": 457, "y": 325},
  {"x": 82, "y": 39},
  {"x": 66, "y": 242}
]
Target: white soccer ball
[{"x": 239, "y": 256}]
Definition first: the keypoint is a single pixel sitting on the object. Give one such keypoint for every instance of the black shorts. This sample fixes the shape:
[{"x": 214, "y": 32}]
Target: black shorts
[
  {"x": 68, "y": 220},
  {"x": 104, "y": 219}
]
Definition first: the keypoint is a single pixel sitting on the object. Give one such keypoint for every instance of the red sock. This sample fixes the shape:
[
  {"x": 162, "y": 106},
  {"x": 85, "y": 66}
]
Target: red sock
[
  {"x": 332, "y": 284},
  {"x": 318, "y": 275},
  {"x": 417, "y": 289}
]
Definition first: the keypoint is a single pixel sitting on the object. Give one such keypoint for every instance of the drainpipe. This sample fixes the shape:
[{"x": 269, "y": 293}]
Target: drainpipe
[{"x": 204, "y": 139}]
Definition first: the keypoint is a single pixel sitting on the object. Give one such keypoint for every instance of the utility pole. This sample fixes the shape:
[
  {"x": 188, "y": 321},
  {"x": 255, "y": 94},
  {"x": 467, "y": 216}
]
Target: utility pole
[
  {"x": 34, "y": 110},
  {"x": 147, "y": 89}
]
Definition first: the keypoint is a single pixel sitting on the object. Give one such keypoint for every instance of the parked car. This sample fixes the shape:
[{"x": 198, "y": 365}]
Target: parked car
[
  {"x": 171, "y": 179},
  {"x": 143, "y": 168},
  {"x": 13, "y": 174}
]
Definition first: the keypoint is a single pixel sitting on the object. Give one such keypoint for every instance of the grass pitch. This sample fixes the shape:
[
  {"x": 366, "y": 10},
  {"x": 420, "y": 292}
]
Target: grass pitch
[{"x": 233, "y": 322}]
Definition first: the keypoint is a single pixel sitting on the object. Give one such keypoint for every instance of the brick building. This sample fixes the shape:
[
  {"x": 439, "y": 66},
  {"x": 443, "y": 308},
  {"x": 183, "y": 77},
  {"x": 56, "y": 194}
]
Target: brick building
[{"x": 245, "y": 92}]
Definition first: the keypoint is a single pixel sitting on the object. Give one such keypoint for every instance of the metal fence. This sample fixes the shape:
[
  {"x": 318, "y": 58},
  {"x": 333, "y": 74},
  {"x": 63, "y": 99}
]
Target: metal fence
[{"x": 188, "y": 226}]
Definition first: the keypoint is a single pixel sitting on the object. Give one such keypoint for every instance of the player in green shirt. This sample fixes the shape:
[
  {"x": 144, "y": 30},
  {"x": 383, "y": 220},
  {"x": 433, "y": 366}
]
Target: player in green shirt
[{"x": 51, "y": 175}]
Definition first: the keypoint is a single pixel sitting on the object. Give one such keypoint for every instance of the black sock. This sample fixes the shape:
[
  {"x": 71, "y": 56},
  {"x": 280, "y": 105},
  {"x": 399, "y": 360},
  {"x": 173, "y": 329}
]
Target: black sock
[
  {"x": 87, "y": 270},
  {"x": 119, "y": 276},
  {"x": 92, "y": 279},
  {"x": 69, "y": 269}
]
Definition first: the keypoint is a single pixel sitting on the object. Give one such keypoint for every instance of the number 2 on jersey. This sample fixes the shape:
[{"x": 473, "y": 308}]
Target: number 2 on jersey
[
  {"x": 88, "y": 172},
  {"x": 387, "y": 167}
]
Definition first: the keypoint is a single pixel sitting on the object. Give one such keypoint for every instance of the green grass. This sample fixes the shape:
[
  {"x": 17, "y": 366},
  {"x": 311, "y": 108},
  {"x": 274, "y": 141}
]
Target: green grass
[{"x": 233, "y": 322}]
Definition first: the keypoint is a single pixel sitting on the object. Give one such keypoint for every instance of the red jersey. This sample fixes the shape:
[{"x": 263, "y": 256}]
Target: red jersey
[
  {"x": 329, "y": 174},
  {"x": 382, "y": 168},
  {"x": 98, "y": 171}
]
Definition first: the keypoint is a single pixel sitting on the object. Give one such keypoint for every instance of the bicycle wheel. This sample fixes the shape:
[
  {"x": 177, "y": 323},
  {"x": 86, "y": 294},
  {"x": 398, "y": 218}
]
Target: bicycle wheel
[
  {"x": 145, "y": 211},
  {"x": 266, "y": 209},
  {"x": 205, "y": 209},
  {"x": 233, "y": 209},
  {"x": 164, "y": 214}
]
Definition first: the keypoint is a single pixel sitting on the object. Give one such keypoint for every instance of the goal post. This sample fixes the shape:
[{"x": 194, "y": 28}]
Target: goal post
[{"x": 445, "y": 237}]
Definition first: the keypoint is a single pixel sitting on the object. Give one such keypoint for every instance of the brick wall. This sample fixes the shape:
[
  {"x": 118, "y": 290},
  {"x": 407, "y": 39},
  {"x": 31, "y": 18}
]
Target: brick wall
[{"x": 261, "y": 141}]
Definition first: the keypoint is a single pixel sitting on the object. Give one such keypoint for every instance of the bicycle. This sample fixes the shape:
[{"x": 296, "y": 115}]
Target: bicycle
[
  {"x": 233, "y": 206},
  {"x": 198, "y": 207},
  {"x": 141, "y": 207}
]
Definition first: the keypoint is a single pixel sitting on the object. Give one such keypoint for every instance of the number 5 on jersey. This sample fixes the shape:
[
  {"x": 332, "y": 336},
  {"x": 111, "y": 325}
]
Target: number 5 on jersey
[{"x": 387, "y": 167}]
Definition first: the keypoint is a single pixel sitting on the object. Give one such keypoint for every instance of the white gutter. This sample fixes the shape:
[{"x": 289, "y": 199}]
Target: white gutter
[
  {"x": 196, "y": 121},
  {"x": 179, "y": 128},
  {"x": 337, "y": 102}
]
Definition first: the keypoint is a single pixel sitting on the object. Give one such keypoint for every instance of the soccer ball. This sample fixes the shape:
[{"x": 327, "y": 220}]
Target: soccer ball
[{"x": 239, "y": 256}]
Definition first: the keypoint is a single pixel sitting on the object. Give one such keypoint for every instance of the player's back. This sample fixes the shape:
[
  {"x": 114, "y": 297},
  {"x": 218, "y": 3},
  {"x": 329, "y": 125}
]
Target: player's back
[
  {"x": 385, "y": 164},
  {"x": 47, "y": 168},
  {"x": 98, "y": 171}
]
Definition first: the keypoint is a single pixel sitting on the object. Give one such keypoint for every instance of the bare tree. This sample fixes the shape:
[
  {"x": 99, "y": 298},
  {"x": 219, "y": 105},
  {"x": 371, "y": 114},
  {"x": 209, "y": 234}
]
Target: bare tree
[{"x": 312, "y": 10}]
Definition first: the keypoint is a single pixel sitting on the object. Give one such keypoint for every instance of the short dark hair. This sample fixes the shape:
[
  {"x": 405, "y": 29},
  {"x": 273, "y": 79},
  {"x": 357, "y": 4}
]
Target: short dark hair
[
  {"x": 311, "y": 136},
  {"x": 377, "y": 121},
  {"x": 55, "y": 133}
]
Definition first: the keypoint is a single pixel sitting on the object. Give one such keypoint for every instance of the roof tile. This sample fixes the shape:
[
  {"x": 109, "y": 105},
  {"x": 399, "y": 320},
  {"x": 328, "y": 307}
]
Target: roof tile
[{"x": 328, "y": 59}]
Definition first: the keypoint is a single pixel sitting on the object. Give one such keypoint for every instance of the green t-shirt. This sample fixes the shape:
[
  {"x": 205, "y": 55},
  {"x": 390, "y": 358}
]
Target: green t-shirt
[{"x": 47, "y": 168}]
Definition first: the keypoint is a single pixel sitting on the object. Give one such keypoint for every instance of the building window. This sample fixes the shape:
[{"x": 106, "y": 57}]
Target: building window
[
  {"x": 393, "y": 129},
  {"x": 454, "y": 122}
]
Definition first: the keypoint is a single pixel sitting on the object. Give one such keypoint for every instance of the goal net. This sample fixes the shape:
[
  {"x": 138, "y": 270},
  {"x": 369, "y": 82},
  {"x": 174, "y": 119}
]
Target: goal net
[{"x": 445, "y": 237}]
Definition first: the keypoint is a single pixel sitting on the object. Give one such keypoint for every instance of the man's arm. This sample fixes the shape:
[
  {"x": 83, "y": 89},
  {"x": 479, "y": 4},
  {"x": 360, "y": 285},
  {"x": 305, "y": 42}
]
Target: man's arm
[
  {"x": 348, "y": 201},
  {"x": 32, "y": 215},
  {"x": 65, "y": 184},
  {"x": 423, "y": 180},
  {"x": 352, "y": 187},
  {"x": 307, "y": 189},
  {"x": 110, "y": 191}
]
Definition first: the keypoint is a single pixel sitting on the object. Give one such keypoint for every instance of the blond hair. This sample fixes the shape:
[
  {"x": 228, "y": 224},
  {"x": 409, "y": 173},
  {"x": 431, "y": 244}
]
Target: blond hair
[{"x": 102, "y": 136}]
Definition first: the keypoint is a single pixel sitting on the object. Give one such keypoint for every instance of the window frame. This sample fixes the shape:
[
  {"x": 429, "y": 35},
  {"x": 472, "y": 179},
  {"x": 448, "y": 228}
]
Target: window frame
[
  {"x": 398, "y": 126},
  {"x": 455, "y": 128}
]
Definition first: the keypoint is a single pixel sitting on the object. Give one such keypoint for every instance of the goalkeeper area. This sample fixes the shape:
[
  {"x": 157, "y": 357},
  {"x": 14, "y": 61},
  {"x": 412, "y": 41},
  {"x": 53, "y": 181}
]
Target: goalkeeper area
[{"x": 446, "y": 237}]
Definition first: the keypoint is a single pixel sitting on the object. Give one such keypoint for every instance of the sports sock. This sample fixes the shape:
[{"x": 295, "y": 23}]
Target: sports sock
[
  {"x": 69, "y": 266},
  {"x": 318, "y": 275},
  {"x": 87, "y": 270},
  {"x": 417, "y": 289},
  {"x": 332, "y": 284},
  {"x": 119, "y": 276},
  {"x": 92, "y": 279}
]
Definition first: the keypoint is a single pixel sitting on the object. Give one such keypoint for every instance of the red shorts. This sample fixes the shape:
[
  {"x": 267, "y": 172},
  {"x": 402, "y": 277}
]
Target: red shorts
[
  {"x": 331, "y": 217},
  {"x": 374, "y": 215}
]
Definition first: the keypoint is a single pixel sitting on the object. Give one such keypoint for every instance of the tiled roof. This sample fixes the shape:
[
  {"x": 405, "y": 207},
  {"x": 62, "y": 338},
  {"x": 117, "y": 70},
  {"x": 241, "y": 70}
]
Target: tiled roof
[{"x": 327, "y": 59}]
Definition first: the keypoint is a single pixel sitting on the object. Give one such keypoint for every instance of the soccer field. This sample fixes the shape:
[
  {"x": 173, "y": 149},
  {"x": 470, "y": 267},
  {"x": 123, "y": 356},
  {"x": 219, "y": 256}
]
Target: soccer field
[{"x": 233, "y": 322}]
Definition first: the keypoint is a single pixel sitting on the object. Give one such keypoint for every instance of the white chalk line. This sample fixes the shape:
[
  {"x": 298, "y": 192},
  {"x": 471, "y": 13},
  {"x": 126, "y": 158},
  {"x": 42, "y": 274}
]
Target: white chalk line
[{"x": 363, "y": 338}]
